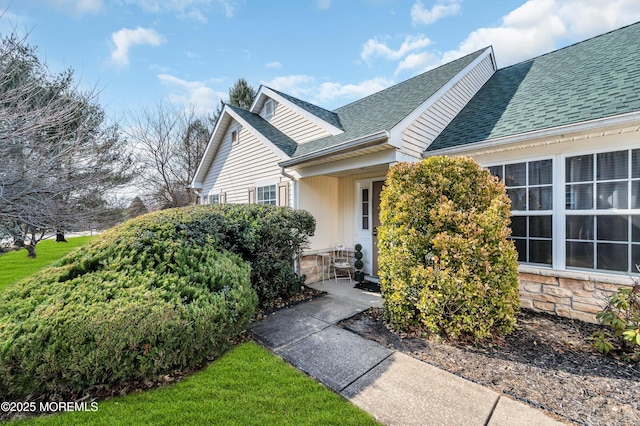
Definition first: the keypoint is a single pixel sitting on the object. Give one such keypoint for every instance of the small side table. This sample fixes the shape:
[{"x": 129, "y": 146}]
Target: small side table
[{"x": 323, "y": 256}]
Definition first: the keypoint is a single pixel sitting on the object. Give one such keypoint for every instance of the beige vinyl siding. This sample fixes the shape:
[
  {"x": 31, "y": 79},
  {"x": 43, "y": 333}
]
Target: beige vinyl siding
[
  {"x": 421, "y": 133},
  {"x": 319, "y": 196},
  {"x": 295, "y": 125},
  {"x": 236, "y": 168},
  {"x": 332, "y": 201}
]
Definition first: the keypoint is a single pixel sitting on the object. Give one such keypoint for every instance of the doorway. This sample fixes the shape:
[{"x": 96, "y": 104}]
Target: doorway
[{"x": 376, "y": 190}]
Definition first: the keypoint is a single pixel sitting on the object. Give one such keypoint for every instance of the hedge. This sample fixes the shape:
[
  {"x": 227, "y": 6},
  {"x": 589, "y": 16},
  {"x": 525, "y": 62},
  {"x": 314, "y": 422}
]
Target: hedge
[
  {"x": 446, "y": 264},
  {"x": 159, "y": 293},
  {"x": 121, "y": 315}
]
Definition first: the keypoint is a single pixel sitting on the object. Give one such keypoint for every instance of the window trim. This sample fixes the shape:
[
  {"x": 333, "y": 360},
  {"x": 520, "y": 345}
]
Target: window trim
[
  {"x": 211, "y": 196},
  {"x": 235, "y": 131},
  {"x": 270, "y": 201},
  {"x": 559, "y": 211},
  {"x": 527, "y": 213},
  {"x": 595, "y": 211}
]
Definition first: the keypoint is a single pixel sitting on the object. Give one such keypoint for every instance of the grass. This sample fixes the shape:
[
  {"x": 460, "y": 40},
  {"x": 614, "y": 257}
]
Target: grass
[
  {"x": 246, "y": 386},
  {"x": 16, "y": 265}
]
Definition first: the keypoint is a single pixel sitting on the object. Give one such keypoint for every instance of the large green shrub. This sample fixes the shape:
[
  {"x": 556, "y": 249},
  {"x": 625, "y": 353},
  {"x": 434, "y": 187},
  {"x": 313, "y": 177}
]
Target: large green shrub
[
  {"x": 267, "y": 237},
  {"x": 139, "y": 301},
  {"x": 446, "y": 265}
]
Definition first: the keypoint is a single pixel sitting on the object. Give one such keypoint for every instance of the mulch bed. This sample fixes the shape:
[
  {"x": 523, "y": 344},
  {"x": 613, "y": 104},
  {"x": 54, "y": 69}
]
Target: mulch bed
[{"x": 547, "y": 362}]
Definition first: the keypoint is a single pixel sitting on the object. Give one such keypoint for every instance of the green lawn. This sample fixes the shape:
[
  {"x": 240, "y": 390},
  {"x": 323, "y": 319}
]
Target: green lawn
[
  {"x": 247, "y": 386},
  {"x": 16, "y": 265}
]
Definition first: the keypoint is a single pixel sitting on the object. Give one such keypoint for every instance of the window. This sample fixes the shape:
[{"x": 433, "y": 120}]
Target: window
[
  {"x": 214, "y": 199},
  {"x": 235, "y": 137},
  {"x": 365, "y": 208},
  {"x": 600, "y": 190},
  {"x": 530, "y": 189},
  {"x": 266, "y": 195}
]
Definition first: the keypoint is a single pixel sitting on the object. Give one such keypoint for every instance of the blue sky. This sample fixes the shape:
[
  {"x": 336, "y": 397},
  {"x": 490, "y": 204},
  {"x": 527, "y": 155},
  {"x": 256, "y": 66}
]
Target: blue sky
[{"x": 329, "y": 52}]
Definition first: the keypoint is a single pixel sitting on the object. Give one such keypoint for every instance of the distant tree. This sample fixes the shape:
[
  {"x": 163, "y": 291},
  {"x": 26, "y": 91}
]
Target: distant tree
[
  {"x": 136, "y": 208},
  {"x": 170, "y": 143},
  {"x": 213, "y": 119},
  {"x": 58, "y": 157},
  {"x": 241, "y": 94}
]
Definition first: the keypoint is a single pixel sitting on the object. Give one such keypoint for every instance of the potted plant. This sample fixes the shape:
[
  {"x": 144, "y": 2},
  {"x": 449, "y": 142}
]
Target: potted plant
[{"x": 358, "y": 264}]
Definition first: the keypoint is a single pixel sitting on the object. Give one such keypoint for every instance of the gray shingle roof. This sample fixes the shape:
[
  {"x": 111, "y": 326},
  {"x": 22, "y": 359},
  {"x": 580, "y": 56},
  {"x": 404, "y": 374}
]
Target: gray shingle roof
[
  {"x": 279, "y": 139},
  {"x": 596, "y": 78},
  {"x": 383, "y": 110},
  {"x": 326, "y": 115}
]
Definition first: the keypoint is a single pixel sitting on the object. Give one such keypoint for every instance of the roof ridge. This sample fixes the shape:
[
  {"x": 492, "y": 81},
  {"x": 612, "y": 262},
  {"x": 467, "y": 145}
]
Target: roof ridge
[
  {"x": 403, "y": 82},
  {"x": 569, "y": 46}
]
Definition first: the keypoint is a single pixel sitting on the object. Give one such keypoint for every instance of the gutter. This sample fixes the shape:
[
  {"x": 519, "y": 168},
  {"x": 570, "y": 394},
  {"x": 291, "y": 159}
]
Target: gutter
[
  {"x": 363, "y": 142},
  {"x": 559, "y": 132},
  {"x": 297, "y": 267}
]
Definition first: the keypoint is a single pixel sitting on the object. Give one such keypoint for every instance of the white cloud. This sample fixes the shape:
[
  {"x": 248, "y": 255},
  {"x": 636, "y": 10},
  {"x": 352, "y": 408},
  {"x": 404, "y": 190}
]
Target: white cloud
[
  {"x": 194, "y": 94},
  {"x": 187, "y": 8},
  {"x": 299, "y": 86},
  {"x": 328, "y": 94},
  {"x": 274, "y": 64},
  {"x": 420, "y": 15},
  {"x": 540, "y": 26},
  {"x": 376, "y": 48},
  {"x": 196, "y": 15},
  {"x": 77, "y": 7},
  {"x": 331, "y": 92},
  {"x": 323, "y": 4},
  {"x": 126, "y": 38},
  {"x": 415, "y": 60}
]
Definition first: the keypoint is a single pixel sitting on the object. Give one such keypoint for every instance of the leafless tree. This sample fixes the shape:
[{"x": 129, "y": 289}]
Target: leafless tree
[
  {"x": 58, "y": 157},
  {"x": 170, "y": 142}
]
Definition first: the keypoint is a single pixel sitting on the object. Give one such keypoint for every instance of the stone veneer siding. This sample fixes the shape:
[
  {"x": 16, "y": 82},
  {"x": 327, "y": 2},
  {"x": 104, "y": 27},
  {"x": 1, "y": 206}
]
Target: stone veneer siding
[{"x": 567, "y": 294}]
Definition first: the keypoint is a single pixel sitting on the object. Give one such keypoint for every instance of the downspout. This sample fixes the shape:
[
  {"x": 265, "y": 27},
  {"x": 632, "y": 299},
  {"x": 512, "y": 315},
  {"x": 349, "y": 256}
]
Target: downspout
[{"x": 296, "y": 260}]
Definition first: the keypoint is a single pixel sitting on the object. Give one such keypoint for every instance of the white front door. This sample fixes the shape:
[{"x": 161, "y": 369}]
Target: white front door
[
  {"x": 363, "y": 222},
  {"x": 367, "y": 220}
]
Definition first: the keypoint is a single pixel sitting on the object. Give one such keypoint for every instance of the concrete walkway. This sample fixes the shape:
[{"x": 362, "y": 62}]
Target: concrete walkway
[{"x": 395, "y": 388}]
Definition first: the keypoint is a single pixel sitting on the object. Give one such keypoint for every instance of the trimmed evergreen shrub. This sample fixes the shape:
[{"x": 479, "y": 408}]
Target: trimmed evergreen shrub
[
  {"x": 138, "y": 302},
  {"x": 267, "y": 237},
  {"x": 446, "y": 265},
  {"x": 159, "y": 293}
]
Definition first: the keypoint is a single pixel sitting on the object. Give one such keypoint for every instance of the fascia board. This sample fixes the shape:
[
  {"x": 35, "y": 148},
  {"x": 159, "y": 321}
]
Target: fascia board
[
  {"x": 375, "y": 138},
  {"x": 210, "y": 150},
  {"x": 396, "y": 131}
]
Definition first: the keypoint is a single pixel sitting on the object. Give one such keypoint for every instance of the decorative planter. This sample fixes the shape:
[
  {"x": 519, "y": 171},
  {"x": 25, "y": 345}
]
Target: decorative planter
[{"x": 358, "y": 264}]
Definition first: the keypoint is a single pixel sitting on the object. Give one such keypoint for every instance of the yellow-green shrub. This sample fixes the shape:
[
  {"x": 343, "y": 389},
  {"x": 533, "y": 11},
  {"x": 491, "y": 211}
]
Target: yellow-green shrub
[{"x": 446, "y": 265}]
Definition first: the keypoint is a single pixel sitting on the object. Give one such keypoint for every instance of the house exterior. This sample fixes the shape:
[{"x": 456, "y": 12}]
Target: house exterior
[{"x": 561, "y": 130}]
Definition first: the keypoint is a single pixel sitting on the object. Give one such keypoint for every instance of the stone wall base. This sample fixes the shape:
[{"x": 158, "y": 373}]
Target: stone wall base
[{"x": 566, "y": 294}]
